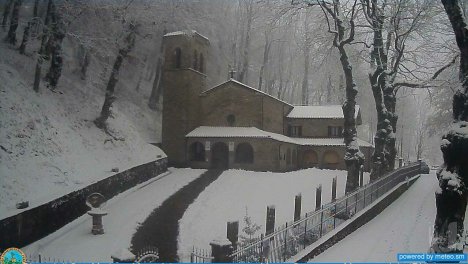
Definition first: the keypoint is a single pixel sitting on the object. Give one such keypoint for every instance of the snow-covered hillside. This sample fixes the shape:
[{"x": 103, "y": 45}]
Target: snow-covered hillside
[{"x": 49, "y": 143}]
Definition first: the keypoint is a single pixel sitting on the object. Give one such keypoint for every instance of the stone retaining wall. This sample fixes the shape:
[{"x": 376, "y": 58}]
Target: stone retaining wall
[{"x": 33, "y": 224}]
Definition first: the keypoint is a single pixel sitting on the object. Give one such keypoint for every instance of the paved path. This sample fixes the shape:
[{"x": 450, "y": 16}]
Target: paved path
[
  {"x": 161, "y": 228},
  {"x": 75, "y": 243},
  {"x": 404, "y": 226}
]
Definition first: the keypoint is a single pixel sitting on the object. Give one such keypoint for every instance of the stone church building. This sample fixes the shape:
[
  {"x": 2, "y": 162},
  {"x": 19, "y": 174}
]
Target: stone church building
[{"x": 233, "y": 125}]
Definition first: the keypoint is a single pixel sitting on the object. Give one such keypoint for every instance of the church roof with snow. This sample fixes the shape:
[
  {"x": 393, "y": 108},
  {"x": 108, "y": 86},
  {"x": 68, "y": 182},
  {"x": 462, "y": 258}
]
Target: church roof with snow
[
  {"x": 244, "y": 86},
  {"x": 328, "y": 142},
  {"x": 190, "y": 33},
  {"x": 320, "y": 112},
  {"x": 253, "y": 132},
  {"x": 237, "y": 132}
]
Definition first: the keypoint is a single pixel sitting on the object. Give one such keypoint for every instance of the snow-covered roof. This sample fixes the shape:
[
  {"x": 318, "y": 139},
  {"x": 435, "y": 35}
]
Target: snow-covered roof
[
  {"x": 319, "y": 111},
  {"x": 209, "y": 131},
  {"x": 237, "y": 132},
  {"x": 245, "y": 86},
  {"x": 253, "y": 132},
  {"x": 185, "y": 32},
  {"x": 328, "y": 142}
]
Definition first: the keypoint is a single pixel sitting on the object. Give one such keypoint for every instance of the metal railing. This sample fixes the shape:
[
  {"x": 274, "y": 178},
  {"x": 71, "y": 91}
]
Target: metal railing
[
  {"x": 289, "y": 239},
  {"x": 200, "y": 256},
  {"x": 39, "y": 258}
]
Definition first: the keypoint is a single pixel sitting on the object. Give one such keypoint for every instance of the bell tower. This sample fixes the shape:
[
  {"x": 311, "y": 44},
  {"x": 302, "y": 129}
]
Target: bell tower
[{"x": 183, "y": 80}]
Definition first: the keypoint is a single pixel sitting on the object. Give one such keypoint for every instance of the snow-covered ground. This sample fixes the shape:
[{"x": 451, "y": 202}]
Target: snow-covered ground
[
  {"x": 75, "y": 243},
  {"x": 49, "y": 144},
  {"x": 403, "y": 227},
  {"x": 237, "y": 192}
]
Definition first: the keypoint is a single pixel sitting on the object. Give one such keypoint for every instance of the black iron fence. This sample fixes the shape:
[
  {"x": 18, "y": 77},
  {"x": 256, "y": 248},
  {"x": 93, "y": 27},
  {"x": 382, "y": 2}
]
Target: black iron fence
[
  {"x": 200, "y": 256},
  {"x": 289, "y": 239}
]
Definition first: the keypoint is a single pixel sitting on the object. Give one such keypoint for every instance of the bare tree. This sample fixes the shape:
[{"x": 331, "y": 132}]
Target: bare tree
[
  {"x": 392, "y": 24},
  {"x": 41, "y": 52},
  {"x": 6, "y": 12},
  {"x": 452, "y": 196},
  {"x": 343, "y": 30},
  {"x": 249, "y": 13},
  {"x": 14, "y": 21},
  {"x": 129, "y": 43}
]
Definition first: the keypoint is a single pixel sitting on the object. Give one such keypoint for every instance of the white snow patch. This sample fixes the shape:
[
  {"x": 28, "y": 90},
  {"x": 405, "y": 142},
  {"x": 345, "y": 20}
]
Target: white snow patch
[
  {"x": 403, "y": 227},
  {"x": 237, "y": 191}
]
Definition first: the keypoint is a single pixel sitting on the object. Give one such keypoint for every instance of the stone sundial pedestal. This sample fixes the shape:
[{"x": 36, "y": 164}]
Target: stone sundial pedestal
[{"x": 95, "y": 201}]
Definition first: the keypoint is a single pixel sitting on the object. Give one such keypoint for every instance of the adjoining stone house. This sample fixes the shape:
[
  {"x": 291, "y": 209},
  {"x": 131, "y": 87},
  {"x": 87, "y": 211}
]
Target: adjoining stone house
[{"x": 233, "y": 125}]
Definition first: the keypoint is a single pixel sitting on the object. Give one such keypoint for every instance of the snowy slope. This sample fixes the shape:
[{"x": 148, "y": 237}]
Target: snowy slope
[
  {"x": 75, "y": 243},
  {"x": 49, "y": 144},
  {"x": 238, "y": 191},
  {"x": 404, "y": 227}
]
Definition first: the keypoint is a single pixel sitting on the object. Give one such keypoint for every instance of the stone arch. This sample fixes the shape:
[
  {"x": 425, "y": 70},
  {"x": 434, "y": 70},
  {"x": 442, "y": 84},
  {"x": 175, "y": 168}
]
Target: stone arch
[
  {"x": 201, "y": 65},
  {"x": 177, "y": 58},
  {"x": 310, "y": 159},
  {"x": 331, "y": 158},
  {"x": 197, "y": 152},
  {"x": 220, "y": 155},
  {"x": 244, "y": 153},
  {"x": 195, "y": 60}
]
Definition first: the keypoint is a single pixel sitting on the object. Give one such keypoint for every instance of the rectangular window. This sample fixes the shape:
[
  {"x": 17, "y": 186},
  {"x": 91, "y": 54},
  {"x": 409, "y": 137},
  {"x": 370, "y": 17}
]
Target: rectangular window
[
  {"x": 295, "y": 131},
  {"x": 335, "y": 131}
]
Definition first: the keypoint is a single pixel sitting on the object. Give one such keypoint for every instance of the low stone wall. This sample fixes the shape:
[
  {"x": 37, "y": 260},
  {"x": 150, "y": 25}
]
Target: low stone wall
[
  {"x": 33, "y": 224},
  {"x": 358, "y": 221}
]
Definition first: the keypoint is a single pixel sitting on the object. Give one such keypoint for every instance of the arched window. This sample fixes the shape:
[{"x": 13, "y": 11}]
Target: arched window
[
  {"x": 195, "y": 60},
  {"x": 288, "y": 157},
  {"x": 244, "y": 153},
  {"x": 331, "y": 158},
  {"x": 310, "y": 159},
  {"x": 202, "y": 64},
  {"x": 177, "y": 58},
  {"x": 197, "y": 152}
]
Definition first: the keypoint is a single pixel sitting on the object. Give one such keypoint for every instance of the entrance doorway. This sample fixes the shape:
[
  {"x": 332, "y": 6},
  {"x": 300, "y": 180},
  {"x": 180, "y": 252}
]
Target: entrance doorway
[{"x": 220, "y": 156}]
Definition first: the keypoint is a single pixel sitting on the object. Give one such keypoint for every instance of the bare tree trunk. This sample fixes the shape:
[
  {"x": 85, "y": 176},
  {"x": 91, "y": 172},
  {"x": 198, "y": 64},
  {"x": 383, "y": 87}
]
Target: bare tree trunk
[
  {"x": 305, "y": 79},
  {"x": 11, "y": 37},
  {"x": 452, "y": 197},
  {"x": 329, "y": 90},
  {"x": 36, "y": 7},
  {"x": 24, "y": 42},
  {"x": 266, "y": 54},
  {"x": 6, "y": 12},
  {"x": 114, "y": 78},
  {"x": 390, "y": 146},
  {"x": 40, "y": 55},
  {"x": 353, "y": 156},
  {"x": 379, "y": 82},
  {"x": 157, "y": 83},
  {"x": 244, "y": 72},
  {"x": 58, "y": 33},
  {"x": 85, "y": 61}
]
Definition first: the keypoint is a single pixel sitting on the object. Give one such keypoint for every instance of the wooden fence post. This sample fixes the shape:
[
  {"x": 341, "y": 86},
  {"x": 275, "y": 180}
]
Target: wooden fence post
[
  {"x": 270, "y": 220},
  {"x": 361, "y": 176},
  {"x": 334, "y": 189},
  {"x": 233, "y": 233},
  {"x": 318, "y": 197},
  {"x": 297, "y": 207}
]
